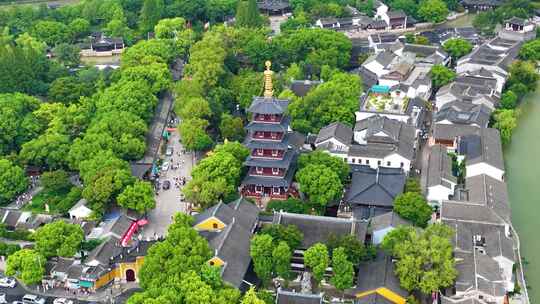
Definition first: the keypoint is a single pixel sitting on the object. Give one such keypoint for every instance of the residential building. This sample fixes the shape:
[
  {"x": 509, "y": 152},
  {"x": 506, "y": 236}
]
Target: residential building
[
  {"x": 464, "y": 113},
  {"x": 440, "y": 183},
  {"x": 381, "y": 225},
  {"x": 272, "y": 159},
  {"x": 446, "y": 134},
  {"x": 372, "y": 191},
  {"x": 483, "y": 153},
  {"x": 101, "y": 45},
  {"x": 228, "y": 229},
  {"x": 336, "y": 139},
  {"x": 428, "y": 54},
  {"x": 79, "y": 210},
  {"x": 478, "y": 88},
  {"x": 496, "y": 56},
  {"x": 518, "y": 29},
  {"x": 383, "y": 41}
]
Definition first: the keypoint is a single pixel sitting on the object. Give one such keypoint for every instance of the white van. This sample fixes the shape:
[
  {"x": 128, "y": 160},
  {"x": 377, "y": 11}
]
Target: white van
[{"x": 32, "y": 299}]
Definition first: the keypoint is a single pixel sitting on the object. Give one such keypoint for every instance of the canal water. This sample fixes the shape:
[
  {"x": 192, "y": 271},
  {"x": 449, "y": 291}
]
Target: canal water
[{"x": 523, "y": 177}]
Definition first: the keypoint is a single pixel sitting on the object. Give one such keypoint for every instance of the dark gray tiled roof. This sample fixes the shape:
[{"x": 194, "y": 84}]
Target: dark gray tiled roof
[
  {"x": 273, "y": 5},
  {"x": 381, "y": 124},
  {"x": 386, "y": 220},
  {"x": 450, "y": 132},
  {"x": 458, "y": 112},
  {"x": 374, "y": 187},
  {"x": 270, "y": 181},
  {"x": 491, "y": 192},
  {"x": 301, "y": 88},
  {"x": 516, "y": 21},
  {"x": 439, "y": 170},
  {"x": 12, "y": 218},
  {"x": 120, "y": 226},
  {"x": 232, "y": 243},
  {"x": 104, "y": 253},
  {"x": 62, "y": 265},
  {"x": 283, "y": 126},
  {"x": 484, "y": 147},
  {"x": 369, "y": 78},
  {"x": 288, "y": 158},
  {"x": 291, "y": 297},
  {"x": 337, "y": 130},
  {"x": 318, "y": 229},
  {"x": 378, "y": 273},
  {"x": 396, "y": 14},
  {"x": 270, "y": 105}
]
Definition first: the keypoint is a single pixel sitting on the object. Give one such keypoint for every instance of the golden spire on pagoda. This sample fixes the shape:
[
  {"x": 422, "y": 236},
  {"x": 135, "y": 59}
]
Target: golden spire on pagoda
[{"x": 268, "y": 88}]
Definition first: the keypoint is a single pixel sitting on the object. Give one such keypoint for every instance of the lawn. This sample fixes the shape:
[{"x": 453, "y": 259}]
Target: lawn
[{"x": 58, "y": 202}]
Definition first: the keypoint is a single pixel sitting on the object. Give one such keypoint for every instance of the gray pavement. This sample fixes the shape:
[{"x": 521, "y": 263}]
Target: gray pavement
[
  {"x": 168, "y": 202},
  {"x": 24, "y": 198}
]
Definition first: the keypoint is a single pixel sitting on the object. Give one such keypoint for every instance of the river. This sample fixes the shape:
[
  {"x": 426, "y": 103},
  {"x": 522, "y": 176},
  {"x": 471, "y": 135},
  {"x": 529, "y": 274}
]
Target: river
[{"x": 523, "y": 177}]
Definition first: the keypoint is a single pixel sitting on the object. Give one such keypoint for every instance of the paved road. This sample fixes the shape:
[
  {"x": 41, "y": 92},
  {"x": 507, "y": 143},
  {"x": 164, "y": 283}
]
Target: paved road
[
  {"x": 14, "y": 294},
  {"x": 168, "y": 201},
  {"x": 24, "y": 198}
]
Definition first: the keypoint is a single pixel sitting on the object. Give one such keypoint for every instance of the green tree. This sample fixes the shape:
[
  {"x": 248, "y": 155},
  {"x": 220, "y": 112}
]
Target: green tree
[
  {"x": 423, "y": 40},
  {"x": 425, "y": 260},
  {"x": 261, "y": 253},
  {"x": 441, "y": 75},
  {"x": 157, "y": 49},
  {"x": 79, "y": 28},
  {"x": 509, "y": 100},
  {"x": 174, "y": 31},
  {"x": 523, "y": 72},
  {"x": 322, "y": 158},
  {"x": 530, "y": 50},
  {"x": 12, "y": 181},
  {"x": 281, "y": 256},
  {"x": 207, "y": 58},
  {"x": 194, "y": 107},
  {"x": 433, "y": 10},
  {"x": 505, "y": 121},
  {"x": 247, "y": 14},
  {"x": 26, "y": 265},
  {"x": 413, "y": 206},
  {"x": 205, "y": 193},
  {"x": 58, "y": 239},
  {"x": 51, "y": 32},
  {"x": 49, "y": 150},
  {"x": 68, "y": 90},
  {"x": 194, "y": 135},
  {"x": 138, "y": 197},
  {"x": 236, "y": 149},
  {"x": 410, "y": 7},
  {"x": 130, "y": 96},
  {"x": 321, "y": 184},
  {"x": 289, "y": 234},
  {"x": 56, "y": 181},
  {"x": 251, "y": 297},
  {"x": 231, "y": 127},
  {"x": 457, "y": 47},
  {"x": 151, "y": 12},
  {"x": 316, "y": 258},
  {"x": 412, "y": 185},
  {"x": 17, "y": 121},
  {"x": 343, "y": 270},
  {"x": 335, "y": 100},
  {"x": 68, "y": 54},
  {"x": 355, "y": 250},
  {"x": 156, "y": 75}
]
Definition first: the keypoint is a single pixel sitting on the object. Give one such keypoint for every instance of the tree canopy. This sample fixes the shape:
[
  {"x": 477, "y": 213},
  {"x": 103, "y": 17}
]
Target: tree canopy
[
  {"x": 441, "y": 75},
  {"x": 261, "y": 253},
  {"x": 316, "y": 258},
  {"x": 26, "y": 265},
  {"x": 320, "y": 183},
  {"x": 457, "y": 47},
  {"x": 58, "y": 239},
  {"x": 425, "y": 259},
  {"x": 13, "y": 181},
  {"x": 343, "y": 276},
  {"x": 413, "y": 206},
  {"x": 433, "y": 10},
  {"x": 322, "y": 158},
  {"x": 138, "y": 197}
]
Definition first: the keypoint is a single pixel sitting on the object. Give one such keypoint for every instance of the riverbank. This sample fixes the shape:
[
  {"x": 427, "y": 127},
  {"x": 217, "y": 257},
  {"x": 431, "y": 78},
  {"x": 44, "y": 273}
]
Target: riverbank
[{"x": 522, "y": 175}]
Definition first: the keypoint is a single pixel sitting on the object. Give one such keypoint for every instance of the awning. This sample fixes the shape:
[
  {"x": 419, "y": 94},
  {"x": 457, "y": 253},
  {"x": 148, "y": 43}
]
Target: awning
[
  {"x": 142, "y": 222},
  {"x": 129, "y": 233},
  {"x": 86, "y": 284}
]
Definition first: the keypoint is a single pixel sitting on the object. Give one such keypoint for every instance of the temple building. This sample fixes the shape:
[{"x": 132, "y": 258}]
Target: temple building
[{"x": 271, "y": 163}]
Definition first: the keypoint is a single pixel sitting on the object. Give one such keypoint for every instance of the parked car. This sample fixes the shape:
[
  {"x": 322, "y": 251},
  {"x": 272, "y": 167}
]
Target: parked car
[
  {"x": 62, "y": 301},
  {"x": 165, "y": 166},
  {"x": 32, "y": 299},
  {"x": 17, "y": 302},
  {"x": 166, "y": 185},
  {"x": 8, "y": 282},
  {"x": 169, "y": 151},
  {"x": 3, "y": 298}
]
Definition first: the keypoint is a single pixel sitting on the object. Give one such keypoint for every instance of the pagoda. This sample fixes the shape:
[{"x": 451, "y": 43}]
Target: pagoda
[{"x": 272, "y": 159}]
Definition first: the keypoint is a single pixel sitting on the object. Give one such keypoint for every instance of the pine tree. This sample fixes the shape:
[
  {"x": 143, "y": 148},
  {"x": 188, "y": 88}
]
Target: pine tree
[{"x": 247, "y": 14}]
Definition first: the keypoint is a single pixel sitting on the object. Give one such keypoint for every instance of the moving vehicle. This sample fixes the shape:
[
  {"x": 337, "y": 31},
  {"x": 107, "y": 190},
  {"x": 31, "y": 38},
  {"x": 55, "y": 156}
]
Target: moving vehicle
[
  {"x": 169, "y": 151},
  {"x": 166, "y": 185},
  {"x": 32, "y": 299},
  {"x": 62, "y": 301},
  {"x": 8, "y": 282},
  {"x": 165, "y": 166}
]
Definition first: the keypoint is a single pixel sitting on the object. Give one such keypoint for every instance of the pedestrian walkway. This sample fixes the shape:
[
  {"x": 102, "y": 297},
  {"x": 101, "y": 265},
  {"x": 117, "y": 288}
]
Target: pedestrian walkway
[
  {"x": 170, "y": 201},
  {"x": 24, "y": 198}
]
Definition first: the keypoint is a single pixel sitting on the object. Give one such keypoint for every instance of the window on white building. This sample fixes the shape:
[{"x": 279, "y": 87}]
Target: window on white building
[{"x": 388, "y": 164}]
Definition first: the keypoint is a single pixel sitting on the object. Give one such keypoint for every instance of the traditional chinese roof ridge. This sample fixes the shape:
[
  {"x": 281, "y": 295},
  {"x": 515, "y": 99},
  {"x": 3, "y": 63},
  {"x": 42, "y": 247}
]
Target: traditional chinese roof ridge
[
  {"x": 268, "y": 105},
  {"x": 337, "y": 130}
]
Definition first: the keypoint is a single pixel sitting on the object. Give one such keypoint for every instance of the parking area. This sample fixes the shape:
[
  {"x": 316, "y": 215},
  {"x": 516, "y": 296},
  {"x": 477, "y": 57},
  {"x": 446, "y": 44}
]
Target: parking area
[{"x": 169, "y": 201}]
